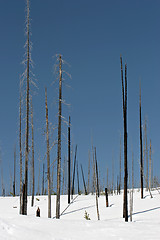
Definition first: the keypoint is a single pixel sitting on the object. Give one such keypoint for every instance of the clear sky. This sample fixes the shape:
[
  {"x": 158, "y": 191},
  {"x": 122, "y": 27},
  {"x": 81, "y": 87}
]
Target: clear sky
[{"x": 90, "y": 35}]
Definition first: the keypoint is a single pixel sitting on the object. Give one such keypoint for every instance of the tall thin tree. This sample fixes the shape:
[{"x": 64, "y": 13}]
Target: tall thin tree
[
  {"x": 124, "y": 100},
  {"x": 27, "y": 111},
  {"x": 48, "y": 157},
  {"x": 20, "y": 146},
  {"x": 33, "y": 178},
  {"x": 59, "y": 140},
  {"x": 74, "y": 170},
  {"x": 14, "y": 180},
  {"x": 141, "y": 145},
  {"x": 69, "y": 160}
]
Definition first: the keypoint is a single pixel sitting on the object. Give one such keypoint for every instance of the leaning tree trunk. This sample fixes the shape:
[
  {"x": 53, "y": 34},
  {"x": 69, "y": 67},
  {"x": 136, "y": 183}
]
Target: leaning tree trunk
[
  {"x": 124, "y": 96},
  {"x": 59, "y": 141},
  {"x": 69, "y": 160},
  {"x": 48, "y": 158},
  {"x": 74, "y": 169},
  {"x": 20, "y": 146},
  {"x": 141, "y": 151},
  {"x": 33, "y": 181}
]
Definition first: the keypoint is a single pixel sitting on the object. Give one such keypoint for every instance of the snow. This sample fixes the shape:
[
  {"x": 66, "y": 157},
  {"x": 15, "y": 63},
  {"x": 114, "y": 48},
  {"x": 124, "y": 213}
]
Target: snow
[{"x": 73, "y": 225}]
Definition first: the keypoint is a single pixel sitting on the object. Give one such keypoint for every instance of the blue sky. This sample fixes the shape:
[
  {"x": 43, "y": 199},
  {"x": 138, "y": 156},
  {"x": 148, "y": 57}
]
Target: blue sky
[{"x": 90, "y": 35}]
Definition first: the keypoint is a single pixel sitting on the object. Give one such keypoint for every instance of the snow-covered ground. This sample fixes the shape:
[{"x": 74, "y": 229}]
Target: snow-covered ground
[{"x": 73, "y": 225}]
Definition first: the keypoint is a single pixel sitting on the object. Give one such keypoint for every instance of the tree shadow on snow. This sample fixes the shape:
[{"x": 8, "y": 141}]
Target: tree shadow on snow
[{"x": 148, "y": 210}]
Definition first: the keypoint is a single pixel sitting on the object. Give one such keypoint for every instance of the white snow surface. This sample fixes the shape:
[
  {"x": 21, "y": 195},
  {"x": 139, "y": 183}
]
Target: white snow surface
[{"x": 73, "y": 225}]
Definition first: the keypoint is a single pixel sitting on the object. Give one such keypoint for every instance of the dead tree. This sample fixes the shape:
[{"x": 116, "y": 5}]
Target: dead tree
[
  {"x": 146, "y": 153},
  {"x": 112, "y": 175},
  {"x": 20, "y": 146},
  {"x": 124, "y": 99},
  {"x": 141, "y": 145},
  {"x": 59, "y": 141},
  {"x": 27, "y": 111},
  {"x": 88, "y": 188},
  {"x": 78, "y": 179},
  {"x": 106, "y": 193},
  {"x": 74, "y": 169},
  {"x": 97, "y": 178},
  {"x": 150, "y": 167},
  {"x": 69, "y": 160},
  {"x": 43, "y": 179},
  {"x": 48, "y": 157},
  {"x": 85, "y": 189},
  {"x": 120, "y": 168},
  {"x": 95, "y": 184},
  {"x": 14, "y": 181},
  {"x": 33, "y": 180}
]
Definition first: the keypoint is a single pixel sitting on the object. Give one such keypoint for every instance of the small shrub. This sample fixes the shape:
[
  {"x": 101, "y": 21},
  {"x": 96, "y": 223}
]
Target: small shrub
[{"x": 86, "y": 216}]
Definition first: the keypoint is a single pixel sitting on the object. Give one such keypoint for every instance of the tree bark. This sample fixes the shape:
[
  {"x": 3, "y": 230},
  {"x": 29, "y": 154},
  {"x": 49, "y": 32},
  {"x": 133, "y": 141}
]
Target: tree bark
[
  {"x": 124, "y": 98},
  {"x": 59, "y": 141},
  {"x": 48, "y": 158},
  {"x": 141, "y": 150},
  {"x": 33, "y": 181},
  {"x": 69, "y": 161}
]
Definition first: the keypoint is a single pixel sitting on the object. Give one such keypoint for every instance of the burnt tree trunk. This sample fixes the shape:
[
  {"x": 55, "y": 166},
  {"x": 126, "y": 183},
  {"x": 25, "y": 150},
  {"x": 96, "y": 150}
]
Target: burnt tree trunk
[
  {"x": 59, "y": 141},
  {"x": 27, "y": 114},
  {"x": 69, "y": 160},
  {"x": 124, "y": 96},
  {"x": 97, "y": 173},
  {"x": 48, "y": 158},
  {"x": 141, "y": 145},
  {"x": 33, "y": 181},
  {"x": 85, "y": 189},
  {"x": 74, "y": 169}
]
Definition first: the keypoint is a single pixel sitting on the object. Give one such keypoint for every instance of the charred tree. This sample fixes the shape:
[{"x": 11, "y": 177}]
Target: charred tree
[
  {"x": 88, "y": 187},
  {"x": 59, "y": 141},
  {"x": 78, "y": 179},
  {"x": 48, "y": 157},
  {"x": 141, "y": 145},
  {"x": 20, "y": 146},
  {"x": 85, "y": 189},
  {"x": 14, "y": 181},
  {"x": 97, "y": 178},
  {"x": 124, "y": 100},
  {"x": 43, "y": 180},
  {"x": 33, "y": 180},
  {"x": 69, "y": 160},
  {"x": 74, "y": 169},
  {"x": 27, "y": 112}
]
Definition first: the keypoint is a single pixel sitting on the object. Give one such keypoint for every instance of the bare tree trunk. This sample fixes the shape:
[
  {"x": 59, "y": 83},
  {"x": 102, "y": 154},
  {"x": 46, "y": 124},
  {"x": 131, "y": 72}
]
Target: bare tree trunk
[
  {"x": 95, "y": 184},
  {"x": 48, "y": 158},
  {"x": 120, "y": 168},
  {"x": 74, "y": 169},
  {"x": 63, "y": 176},
  {"x": 14, "y": 181},
  {"x": 150, "y": 161},
  {"x": 146, "y": 153},
  {"x": 69, "y": 161},
  {"x": 107, "y": 177},
  {"x": 124, "y": 96},
  {"x": 141, "y": 152},
  {"x": 112, "y": 175},
  {"x": 20, "y": 146},
  {"x": 83, "y": 180},
  {"x": 43, "y": 180},
  {"x": 59, "y": 141},
  {"x": 97, "y": 172},
  {"x": 88, "y": 188},
  {"x": 39, "y": 176},
  {"x": 33, "y": 181},
  {"x": 78, "y": 179},
  {"x": 27, "y": 114},
  {"x": 132, "y": 171}
]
